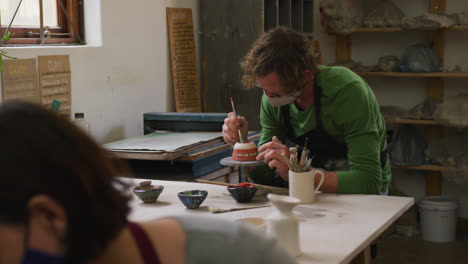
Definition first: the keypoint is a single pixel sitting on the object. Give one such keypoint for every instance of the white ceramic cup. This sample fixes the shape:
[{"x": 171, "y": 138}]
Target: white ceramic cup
[{"x": 302, "y": 185}]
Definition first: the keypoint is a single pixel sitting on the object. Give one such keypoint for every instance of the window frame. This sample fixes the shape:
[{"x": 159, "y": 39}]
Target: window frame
[{"x": 75, "y": 12}]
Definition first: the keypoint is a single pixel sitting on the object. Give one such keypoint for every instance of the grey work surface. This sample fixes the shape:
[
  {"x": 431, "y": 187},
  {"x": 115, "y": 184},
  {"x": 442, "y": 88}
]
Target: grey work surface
[{"x": 334, "y": 229}]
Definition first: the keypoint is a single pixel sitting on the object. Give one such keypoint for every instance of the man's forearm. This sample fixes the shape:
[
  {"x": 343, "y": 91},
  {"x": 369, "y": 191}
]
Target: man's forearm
[{"x": 330, "y": 182}]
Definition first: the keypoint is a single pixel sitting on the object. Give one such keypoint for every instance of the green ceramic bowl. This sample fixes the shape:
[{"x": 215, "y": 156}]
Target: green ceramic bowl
[{"x": 148, "y": 194}]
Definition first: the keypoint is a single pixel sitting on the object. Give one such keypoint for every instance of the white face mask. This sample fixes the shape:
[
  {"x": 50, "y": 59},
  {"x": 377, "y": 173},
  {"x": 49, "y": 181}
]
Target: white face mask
[{"x": 283, "y": 100}]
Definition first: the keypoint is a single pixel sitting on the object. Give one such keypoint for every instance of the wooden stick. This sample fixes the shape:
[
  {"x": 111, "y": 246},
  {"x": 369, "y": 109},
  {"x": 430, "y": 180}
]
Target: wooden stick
[
  {"x": 285, "y": 158},
  {"x": 240, "y": 137},
  {"x": 233, "y": 108},
  {"x": 216, "y": 183},
  {"x": 293, "y": 158},
  {"x": 303, "y": 155},
  {"x": 215, "y": 210},
  {"x": 273, "y": 188}
]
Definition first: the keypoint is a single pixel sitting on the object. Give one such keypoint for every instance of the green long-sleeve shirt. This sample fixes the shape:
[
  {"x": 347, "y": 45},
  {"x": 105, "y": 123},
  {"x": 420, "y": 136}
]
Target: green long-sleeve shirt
[{"x": 350, "y": 114}]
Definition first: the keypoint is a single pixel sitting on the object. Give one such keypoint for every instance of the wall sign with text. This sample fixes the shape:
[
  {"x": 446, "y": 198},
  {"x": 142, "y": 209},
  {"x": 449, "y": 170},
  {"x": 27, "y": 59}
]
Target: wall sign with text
[{"x": 55, "y": 81}]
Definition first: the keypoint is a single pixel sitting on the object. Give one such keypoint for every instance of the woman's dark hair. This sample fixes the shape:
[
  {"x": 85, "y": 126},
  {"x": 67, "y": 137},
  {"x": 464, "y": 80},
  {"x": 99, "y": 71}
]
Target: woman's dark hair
[
  {"x": 280, "y": 50},
  {"x": 44, "y": 153}
]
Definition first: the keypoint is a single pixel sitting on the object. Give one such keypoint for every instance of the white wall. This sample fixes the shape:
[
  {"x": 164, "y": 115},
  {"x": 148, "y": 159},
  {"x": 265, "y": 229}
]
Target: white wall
[
  {"x": 118, "y": 77},
  {"x": 407, "y": 92}
]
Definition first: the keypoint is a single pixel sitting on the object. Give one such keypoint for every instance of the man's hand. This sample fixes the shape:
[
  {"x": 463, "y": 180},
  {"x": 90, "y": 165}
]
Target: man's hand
[
  {"x": 271, "y": 153},
  {"x": 231, "y": 126}
]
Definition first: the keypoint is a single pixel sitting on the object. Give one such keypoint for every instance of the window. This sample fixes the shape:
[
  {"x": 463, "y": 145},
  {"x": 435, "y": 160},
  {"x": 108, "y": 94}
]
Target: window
[{"x": 61, "y": 21}]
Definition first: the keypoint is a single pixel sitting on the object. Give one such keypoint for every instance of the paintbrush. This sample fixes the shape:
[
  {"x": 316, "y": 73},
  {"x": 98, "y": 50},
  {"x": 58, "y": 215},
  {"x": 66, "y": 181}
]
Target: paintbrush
[
  {"x": 309, "y": 164},
  {"x": 215, "y": 183},
  {"x": 234, "y": 110},
  {"x": 215, "y": 210},
  {"x": 303, "y": 156},
  {"x": 293, "y": 158},
  {"x": 277, "y": 190},
  {"x": 285, "y": 158}
]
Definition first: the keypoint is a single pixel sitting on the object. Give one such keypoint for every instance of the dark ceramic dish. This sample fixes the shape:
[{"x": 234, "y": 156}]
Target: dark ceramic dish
[
  {"x": 242, "y": 194},
  {"x": 192, "y": 199},
  {"x": 148, "y": 193}
]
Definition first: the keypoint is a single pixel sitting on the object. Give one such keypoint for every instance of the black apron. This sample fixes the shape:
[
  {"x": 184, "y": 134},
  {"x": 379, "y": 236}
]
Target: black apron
[{"x": 324, "y": 149}]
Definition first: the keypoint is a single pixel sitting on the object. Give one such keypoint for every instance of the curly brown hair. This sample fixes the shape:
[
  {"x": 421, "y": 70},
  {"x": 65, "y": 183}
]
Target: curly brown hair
[{"x": 281, "y": 50}]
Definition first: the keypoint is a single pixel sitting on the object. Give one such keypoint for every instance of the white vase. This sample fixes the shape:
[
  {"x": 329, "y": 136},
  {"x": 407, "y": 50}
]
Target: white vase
[{"x": 283, "y": 224}]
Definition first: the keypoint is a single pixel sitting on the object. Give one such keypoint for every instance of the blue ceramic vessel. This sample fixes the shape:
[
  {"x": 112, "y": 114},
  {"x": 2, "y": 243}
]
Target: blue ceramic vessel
[{"x": 192, "y": 199}]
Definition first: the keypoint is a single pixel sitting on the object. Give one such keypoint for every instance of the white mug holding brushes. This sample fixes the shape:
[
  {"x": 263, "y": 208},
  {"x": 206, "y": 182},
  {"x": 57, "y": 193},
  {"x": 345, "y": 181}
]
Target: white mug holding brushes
[{"x": 302, "y": 176}]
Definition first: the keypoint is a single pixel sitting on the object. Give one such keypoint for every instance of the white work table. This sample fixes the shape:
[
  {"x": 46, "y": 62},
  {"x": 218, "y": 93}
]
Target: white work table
[{"x": 334, "y": 229}]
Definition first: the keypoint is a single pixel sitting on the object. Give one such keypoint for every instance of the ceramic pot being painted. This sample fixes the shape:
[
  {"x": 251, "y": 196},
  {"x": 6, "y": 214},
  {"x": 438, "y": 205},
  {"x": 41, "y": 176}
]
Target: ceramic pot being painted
[
  {"x": 283, "y": 224},
  {"x": 246, "y": 151}
]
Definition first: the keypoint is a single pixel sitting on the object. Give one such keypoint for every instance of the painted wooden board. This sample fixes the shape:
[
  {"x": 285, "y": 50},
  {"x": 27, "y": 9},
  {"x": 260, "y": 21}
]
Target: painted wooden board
[
  {"x": 335, "y": 229},
  {"x": 184, "y": 60},
  {"x": 55, "y": 81},
  {"x": 20, "y": 80}
]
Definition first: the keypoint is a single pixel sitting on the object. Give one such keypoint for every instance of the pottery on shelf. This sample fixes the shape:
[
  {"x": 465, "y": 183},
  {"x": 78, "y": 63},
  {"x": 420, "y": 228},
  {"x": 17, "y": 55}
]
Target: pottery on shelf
[
  {"x": 283, "y": 224},
  {"x": 147, "y": 192},
  {"x": 246, "y": 151}
]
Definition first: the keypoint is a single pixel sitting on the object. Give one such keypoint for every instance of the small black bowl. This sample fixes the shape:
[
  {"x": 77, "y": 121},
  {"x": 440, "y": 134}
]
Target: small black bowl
[
  {"x": 242, "y": 194},
  {"x": 192, "y": 199}
]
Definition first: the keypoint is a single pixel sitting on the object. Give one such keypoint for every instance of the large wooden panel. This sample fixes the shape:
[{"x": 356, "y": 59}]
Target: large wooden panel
[
  {"x": 183, "y": 60},
  {"x": 228, "y": 30}
]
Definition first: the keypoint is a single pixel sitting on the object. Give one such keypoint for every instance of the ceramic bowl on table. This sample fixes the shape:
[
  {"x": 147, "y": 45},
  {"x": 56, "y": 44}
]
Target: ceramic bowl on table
[
  {"x": 192, "y": 199},
  {"x": 242, "y": 194},
  {"x": 147, "y": 192}
]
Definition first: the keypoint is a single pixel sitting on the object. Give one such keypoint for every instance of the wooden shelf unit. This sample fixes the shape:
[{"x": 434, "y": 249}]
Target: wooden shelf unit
[
  {"x": 434, "y": 88},
  {"x": 412, "y": 121},
  {"x": 436, "y": 168},
  {"x": 399, "y": 29},
  {"x": 416, "y": 75}
]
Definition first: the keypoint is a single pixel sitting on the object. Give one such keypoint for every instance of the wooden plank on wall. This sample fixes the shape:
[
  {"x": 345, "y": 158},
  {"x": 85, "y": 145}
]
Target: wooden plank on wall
[
  {"x": 435, "y": 90},
  {"x": 184, "y": 60},
  {"x": 343, "y": 48},
  {"x": 55, "y": 81},
  {"x": 20, "y": 80},
  {"x": 317, "y": 51}
]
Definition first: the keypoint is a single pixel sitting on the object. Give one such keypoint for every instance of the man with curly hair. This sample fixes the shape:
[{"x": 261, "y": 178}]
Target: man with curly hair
[{"x": 331, "y": 107}]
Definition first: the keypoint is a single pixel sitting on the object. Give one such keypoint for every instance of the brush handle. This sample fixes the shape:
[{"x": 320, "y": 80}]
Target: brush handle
[
  {"x": 216, "y": 183},
  {"x": 246, "y": 208},
  {"x": 273, "y": 188}
]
